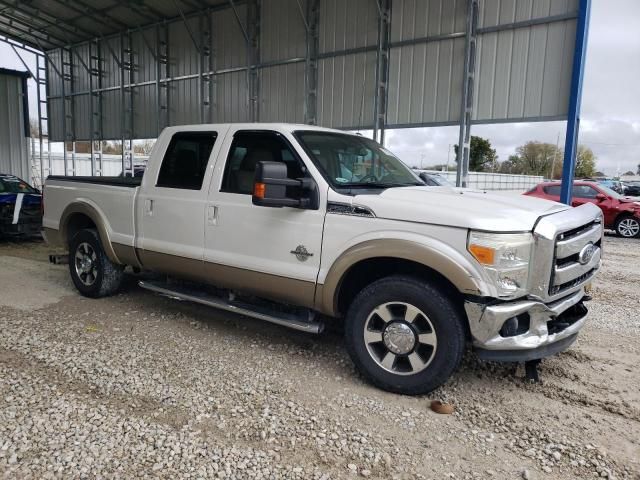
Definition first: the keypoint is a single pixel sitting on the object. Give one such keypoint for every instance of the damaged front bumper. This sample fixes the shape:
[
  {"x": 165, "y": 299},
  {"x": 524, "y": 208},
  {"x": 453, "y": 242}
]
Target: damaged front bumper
[{"x": 525, "y": 330}]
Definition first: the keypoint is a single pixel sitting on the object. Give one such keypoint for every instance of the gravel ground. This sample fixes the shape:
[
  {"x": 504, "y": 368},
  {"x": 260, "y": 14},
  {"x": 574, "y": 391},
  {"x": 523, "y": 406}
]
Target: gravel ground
[{"x": 140, "y": 386}]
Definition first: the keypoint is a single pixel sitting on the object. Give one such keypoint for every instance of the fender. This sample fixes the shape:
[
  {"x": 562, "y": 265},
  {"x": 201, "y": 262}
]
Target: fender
[
  {"x": 97, "y": 218},
  {"x": 436, "y": 255}
]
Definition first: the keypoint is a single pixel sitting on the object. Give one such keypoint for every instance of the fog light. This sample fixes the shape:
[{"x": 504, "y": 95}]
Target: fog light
[{"x": 515, "y": 326}]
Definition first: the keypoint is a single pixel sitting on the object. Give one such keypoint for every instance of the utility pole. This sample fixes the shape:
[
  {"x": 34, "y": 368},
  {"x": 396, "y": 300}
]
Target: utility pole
[{"x": 555, "y": 154}]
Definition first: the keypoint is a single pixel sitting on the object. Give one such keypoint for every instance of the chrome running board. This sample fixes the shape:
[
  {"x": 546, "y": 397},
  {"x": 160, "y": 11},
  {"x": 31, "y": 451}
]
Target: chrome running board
[{"x": 302, "y": 323}]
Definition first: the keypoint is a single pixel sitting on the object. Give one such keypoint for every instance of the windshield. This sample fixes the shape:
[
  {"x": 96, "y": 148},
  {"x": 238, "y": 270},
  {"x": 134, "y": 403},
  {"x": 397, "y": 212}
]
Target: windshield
[
  {"x": 611, "y": 193},
  {"x": 351, "y": 161},
  {"x": 11, "y": 184}
]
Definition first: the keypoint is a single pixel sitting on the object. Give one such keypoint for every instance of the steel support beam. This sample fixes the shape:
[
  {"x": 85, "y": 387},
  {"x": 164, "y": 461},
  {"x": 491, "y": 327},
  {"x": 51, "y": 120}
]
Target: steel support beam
[
  {"x": 253, "y": 58},
  {"x": 382, "y": 69},
  {"x": 206, "y": 81},
  {"x": 126, "y": 92},
  {"x": 466, "y": 108},
  {"x": 575, "y": 98},
  {"x": 312, "y": 21},
  {"x": 163, "y": 72}
]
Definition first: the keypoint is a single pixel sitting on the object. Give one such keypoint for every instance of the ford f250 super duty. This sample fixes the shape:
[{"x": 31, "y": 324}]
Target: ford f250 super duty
[{"x": 293, "y": 224}]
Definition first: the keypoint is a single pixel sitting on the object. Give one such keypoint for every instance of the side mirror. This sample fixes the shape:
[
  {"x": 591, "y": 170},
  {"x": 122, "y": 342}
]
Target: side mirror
[
  {"x": 601, "y": 197},
  {"x": 272, "y": 188}
]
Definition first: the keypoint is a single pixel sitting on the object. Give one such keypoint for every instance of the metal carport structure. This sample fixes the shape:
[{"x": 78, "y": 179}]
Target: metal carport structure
[{"x": 123, "y": 70}]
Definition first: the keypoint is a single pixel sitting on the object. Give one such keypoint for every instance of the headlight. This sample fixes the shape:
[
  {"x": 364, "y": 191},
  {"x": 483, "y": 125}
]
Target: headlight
[{"x": 505, "y": 257}]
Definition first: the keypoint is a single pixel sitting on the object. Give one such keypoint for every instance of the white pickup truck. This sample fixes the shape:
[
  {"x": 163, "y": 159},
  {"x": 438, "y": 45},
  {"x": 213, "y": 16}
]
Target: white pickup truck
[{"x": 293, "y": 224}]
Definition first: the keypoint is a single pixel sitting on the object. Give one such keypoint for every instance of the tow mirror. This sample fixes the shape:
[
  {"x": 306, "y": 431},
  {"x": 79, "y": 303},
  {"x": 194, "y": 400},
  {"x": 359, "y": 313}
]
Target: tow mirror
[
  {"x": 272, "y": 188},
  {"x": 601, "y": 197}
]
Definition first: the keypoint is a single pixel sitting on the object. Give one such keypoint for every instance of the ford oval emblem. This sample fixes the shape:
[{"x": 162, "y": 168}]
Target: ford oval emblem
[{"x": 586, "y": 254}]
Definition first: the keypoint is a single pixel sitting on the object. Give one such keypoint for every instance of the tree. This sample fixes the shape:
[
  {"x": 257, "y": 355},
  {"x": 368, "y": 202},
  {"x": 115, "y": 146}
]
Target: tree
[
  {"x": 629, "y": 174},
  {"x": 638, "y": 172},
  {"x": 482, "y": 158},
  {"x": 143, "y": 147},
  {"x": 585, "y": 163},
  {"x": 535, "y": 158}
]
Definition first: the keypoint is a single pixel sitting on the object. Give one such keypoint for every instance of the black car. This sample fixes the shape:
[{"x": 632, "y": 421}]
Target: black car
[
  {"x": 20, "y": 207},
  {"x": 434, "y": 180},
  {"x": 632, "y": 189}
]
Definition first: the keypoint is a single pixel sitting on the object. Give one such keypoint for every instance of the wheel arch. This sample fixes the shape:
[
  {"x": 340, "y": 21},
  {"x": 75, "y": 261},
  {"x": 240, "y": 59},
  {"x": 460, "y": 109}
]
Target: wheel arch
[
  {"x": 371, "y": 260},
  {"x": 80, "y": 215}
]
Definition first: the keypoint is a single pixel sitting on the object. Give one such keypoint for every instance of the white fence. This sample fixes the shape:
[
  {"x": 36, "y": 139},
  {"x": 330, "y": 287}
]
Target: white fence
[{"x": 494, "y": 181}]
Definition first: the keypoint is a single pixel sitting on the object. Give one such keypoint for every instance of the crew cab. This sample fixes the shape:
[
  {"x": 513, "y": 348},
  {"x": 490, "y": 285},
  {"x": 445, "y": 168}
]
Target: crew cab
[
  {"x": 620, "y": 213},
  {"x": 293, "y": 224}
]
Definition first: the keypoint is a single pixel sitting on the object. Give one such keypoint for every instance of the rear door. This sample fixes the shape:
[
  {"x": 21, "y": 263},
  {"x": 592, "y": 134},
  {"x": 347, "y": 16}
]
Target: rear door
[
  {"x": 171, "y": 204},
  {"x": 273, "y": 252}
]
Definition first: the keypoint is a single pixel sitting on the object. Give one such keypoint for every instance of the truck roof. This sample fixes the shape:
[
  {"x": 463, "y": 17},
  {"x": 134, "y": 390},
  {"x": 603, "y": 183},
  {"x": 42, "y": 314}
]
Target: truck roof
[{"x": 290, "y": 127}]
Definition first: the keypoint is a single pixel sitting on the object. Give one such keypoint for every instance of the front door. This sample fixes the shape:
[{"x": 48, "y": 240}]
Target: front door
[
  {"x": 171, "y": 206},
  {"x": 273, "y": 252}
]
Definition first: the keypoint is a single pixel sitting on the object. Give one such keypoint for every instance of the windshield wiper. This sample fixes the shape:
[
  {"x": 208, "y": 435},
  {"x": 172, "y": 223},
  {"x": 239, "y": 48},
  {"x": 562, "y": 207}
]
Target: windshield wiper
[{"x": 377, "y": 185}]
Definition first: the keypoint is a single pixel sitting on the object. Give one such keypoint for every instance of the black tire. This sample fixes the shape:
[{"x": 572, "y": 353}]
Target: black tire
[
  {"x": 442, "y": 318},
  {"x": 105, "y": 276},
  {"x": 626, "y": 225}
]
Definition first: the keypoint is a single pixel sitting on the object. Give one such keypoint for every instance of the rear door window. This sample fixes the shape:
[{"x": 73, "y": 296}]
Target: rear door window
[
  {"x": 584, "y": 191},
  {"x": 552, "y": 190},
  {"x": 185, "y": 161}
]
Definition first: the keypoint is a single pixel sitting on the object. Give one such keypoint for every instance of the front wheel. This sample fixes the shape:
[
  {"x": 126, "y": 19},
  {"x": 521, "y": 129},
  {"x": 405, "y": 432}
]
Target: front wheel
[
  {"x": 628, "y": 227},
  {"x": 404, "y": 335},
  {"x": 93, "y": 274}
]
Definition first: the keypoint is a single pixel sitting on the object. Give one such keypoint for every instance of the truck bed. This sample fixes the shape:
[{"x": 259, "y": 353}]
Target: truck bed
[
  {"x": 112, "y": 199},
  {"x": 130, "y": 182}
]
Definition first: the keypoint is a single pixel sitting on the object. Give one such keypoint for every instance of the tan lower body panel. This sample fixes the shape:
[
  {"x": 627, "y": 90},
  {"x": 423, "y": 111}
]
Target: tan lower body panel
[
  {"x": 126, "y": 254},
  {"x": 274, "y": 287}
]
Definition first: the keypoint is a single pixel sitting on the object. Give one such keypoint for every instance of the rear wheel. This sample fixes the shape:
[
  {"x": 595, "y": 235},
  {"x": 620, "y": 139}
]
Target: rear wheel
[
  {"x": 93, "y": 274},
  {"x": 404, "y": 335},
  {"x": 628, "y": 226}
]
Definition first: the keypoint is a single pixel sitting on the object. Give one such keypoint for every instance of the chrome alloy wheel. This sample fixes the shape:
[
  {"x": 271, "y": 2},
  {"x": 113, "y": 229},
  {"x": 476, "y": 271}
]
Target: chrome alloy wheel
[
  {"x": 400, "y": 338},
  {"x": 86, "y": 263},
  {"x": 629, "y": 227}
]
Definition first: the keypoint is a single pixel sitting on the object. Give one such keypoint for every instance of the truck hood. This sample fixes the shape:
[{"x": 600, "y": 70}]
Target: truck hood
[{"x": 460, "y": 207}]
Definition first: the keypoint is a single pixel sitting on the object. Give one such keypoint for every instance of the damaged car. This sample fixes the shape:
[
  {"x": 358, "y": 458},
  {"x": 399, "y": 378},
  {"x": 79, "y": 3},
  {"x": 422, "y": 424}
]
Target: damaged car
[{"x": 20, "y": 207}]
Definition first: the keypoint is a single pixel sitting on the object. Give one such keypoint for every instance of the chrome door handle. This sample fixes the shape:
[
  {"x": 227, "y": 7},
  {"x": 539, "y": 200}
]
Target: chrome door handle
[{"x": 212, "y": 215}]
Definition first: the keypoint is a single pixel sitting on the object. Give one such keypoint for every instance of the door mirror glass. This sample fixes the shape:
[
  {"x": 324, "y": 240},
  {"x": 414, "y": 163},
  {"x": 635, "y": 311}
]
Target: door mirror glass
[{"x": 272, "y": 187}]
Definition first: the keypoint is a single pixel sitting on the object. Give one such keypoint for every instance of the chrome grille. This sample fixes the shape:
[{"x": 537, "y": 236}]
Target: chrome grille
[{"x": 569, "y": 270}]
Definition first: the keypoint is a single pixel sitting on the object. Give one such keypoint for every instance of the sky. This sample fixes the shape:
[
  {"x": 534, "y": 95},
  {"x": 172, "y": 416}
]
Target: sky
[{"x": 610, "y": 123}]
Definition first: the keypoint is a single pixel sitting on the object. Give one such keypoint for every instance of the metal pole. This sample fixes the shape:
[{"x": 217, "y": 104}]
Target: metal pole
[
  {"x": 253, "y": 54},
  {"x": 382, "y": 69},
  {"x": 466, "y": 108},
  {"x": 311, "y": 62},
  {"x": 575, "y": 98}
]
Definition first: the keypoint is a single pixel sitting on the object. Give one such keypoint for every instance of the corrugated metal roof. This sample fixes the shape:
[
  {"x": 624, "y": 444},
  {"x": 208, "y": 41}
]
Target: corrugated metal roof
[
  {"x": 130, "y": 68},
  {"x": 47, "y": 24}
]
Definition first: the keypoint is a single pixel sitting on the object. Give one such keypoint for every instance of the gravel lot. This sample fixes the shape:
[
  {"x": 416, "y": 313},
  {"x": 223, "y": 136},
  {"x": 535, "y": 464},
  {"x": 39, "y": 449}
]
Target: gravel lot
[{"x": 139, "y": 386}]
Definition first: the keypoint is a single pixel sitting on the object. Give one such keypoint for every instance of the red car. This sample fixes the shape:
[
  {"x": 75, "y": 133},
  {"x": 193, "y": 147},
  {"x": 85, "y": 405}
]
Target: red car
[{"x": 621, "y": 214}]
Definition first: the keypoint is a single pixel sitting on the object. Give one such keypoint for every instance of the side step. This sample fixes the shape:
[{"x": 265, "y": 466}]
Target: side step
[{"x": 303, "y": 323}]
